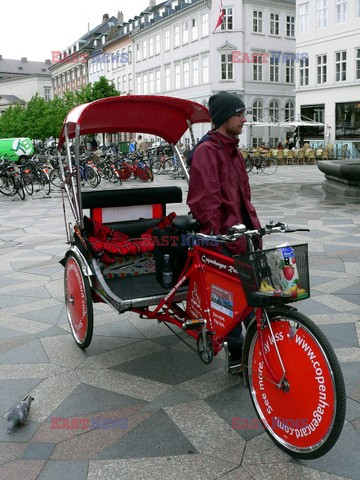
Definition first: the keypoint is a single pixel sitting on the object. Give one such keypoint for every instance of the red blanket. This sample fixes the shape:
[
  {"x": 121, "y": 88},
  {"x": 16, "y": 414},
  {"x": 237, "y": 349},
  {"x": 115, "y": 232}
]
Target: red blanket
[{"x": 109, "y": 244}]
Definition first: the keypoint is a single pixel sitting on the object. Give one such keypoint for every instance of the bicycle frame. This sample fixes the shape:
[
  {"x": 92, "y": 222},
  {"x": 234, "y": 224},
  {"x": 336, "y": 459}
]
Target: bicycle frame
[{"x": 213, "y": 280}]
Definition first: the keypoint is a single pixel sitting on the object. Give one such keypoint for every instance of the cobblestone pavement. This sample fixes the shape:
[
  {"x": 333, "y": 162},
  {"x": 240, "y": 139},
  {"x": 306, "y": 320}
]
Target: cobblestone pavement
[{"x": 176, "y": 412}]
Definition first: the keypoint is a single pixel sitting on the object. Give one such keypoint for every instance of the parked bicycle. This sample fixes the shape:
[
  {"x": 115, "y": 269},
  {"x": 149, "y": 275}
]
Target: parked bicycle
[{"x": 261, "y": 163}]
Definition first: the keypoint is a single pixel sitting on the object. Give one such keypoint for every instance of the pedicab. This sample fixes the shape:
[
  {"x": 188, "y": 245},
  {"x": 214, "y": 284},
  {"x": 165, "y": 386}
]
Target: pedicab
[{"x": 127, "y": 250}]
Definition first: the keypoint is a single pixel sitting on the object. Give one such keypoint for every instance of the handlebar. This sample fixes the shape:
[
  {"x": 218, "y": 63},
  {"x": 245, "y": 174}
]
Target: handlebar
[{"x": 240, "y": 230}]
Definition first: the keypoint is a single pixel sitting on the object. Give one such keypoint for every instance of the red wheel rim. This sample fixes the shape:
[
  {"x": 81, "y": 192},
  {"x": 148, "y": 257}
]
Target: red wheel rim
[
  {"x": 76, "y": 301},
  {"x": 303, "y": 416}
]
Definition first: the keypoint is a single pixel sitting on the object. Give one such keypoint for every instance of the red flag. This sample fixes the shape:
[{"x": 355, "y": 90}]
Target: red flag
[{"x": 221, "y": 16}]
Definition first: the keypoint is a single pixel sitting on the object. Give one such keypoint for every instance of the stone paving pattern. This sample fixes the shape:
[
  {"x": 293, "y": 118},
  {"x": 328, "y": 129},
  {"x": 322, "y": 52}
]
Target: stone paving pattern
[{"x": 174, "y": 412}]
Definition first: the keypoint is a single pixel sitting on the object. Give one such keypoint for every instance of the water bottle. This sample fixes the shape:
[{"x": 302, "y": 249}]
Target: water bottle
[{"x": 167, "y": 274}]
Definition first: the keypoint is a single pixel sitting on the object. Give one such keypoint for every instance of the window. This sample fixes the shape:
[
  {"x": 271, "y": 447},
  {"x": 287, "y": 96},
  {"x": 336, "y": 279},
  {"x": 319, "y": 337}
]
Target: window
[
  {"x": 274, "y": 111},
  {"x": 138, "y": 52},
  {"x": 177, "y": 76},
  {"x": 144, "y": 49},
  {"x": 151, "y": 83},
  {"x": 177, "y": 36},
  {"x": 347, "y": 121},
  {"x": 157, "y": 43},
  {"x": 321, "y": 69},
  {"x": 341, "y": 11},
  {"x": 274, "y": 69},
  {"x": 257, "y": 21},
  {"x": 186, "y": 74},
  {"x": 205, "y": 69},
  {"x": 195, "y": 71},
  {"x": 151, "y": 46},
  {"x": 194, "y": 29},
  {"x": 205, "y": 25},
  {"x": 226, "y": 66},
  {"x": 167, "y": 78},
  {"x": 167, "y": 40},
  {"x": 304, "y": 18},
  {"x": 290, "y": 70},
  {"x": 124, "y": 83},
  {"x": 145, "y": 84},
  {"x": 130, "y": 82},
  {"x": 289, "y": 111},
  {"x": 257, "y": 111},
  {"x": 304, "y": 72},
  {"x": 118, "y": 83},
  {"x": 138, "y": 84},
  {"x": 273, "y": 142},
  {"x": 227, "y": 23},
  {"x": 357, "y": 68},
  {"x": 358, "y": 8},
  {"x": 185, "y": 32},
  {"x": 290, "y": 26},
  {"x": 129, "y": 52},
  {"x": 257, "y": 141},
  {"x": 274, "y": 24},
  {"x": 257, "y": 68},
  {"x": 340, "y": 66},
  {"x": 321, "y": 13},
  {"x": 158, "y": 81},
  {"x": 47, "y": 93}
]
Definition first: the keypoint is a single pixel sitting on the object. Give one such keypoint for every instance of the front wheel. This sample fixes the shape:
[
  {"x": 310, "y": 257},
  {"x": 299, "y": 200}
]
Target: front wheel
[
  {"x": 78, "y": 302},
  {"x": 305, "y": 416}
]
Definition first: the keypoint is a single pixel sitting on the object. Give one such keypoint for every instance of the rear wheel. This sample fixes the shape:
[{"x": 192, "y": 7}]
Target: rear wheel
[
  {"x": 78, "y": 302},
  {"x": 141, "y": 174},
  {"x": 248, "y": 165},
  {"x": 7, "y": 186},
  {"x": 27, "y": 181},
  {"x": 44, "y": 181},
  {"x": 269, "y": 166},
  {"x": 55, "y": 177},
  {"x": 306, "y": 415}
]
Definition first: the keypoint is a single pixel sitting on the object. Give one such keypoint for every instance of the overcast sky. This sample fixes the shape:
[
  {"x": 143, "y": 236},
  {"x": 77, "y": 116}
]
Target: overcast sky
[{"x": 34, "y": 28}]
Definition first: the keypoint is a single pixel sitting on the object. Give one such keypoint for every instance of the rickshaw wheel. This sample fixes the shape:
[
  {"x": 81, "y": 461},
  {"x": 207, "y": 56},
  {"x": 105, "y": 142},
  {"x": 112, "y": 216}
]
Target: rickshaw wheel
[{"x": 78, "y": 302}]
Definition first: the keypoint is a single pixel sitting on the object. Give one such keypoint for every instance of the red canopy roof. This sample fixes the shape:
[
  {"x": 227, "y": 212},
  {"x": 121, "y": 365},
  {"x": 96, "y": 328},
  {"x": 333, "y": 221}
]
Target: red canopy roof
[{"x": 165, "y": 117}]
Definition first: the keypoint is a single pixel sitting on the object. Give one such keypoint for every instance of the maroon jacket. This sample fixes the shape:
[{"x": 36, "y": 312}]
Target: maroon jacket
[{"x": 219, "y": 191}]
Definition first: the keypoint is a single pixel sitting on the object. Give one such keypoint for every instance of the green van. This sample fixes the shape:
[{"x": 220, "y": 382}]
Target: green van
[{"x": 16, "y": 148}]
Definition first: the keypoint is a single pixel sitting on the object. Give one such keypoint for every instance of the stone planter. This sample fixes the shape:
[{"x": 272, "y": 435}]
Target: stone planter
[{"x": 341, "y": 176}]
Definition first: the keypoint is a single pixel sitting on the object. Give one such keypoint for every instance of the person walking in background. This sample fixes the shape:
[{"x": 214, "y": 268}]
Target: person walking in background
[{"x": 140, "y": 145}]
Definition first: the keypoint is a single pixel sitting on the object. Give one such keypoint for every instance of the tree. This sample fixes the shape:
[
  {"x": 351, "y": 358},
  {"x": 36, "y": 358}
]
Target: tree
[{"x": 42, "y": 119}]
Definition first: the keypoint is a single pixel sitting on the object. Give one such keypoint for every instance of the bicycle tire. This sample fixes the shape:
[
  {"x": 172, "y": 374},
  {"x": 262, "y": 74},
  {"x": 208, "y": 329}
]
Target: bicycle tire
[
  {"x": 55, "y": 177},
  {"x": 156, "y": 167},
  {"x": 248, "y": 165},
  {"x": 150, "y": 173},
  {"x": 305, "y": 421},
  {"x": 91, "y": 176},
  {"x": 141, "y": 174},
  {"x": 19, "y": 188},
  {"x": 27, "y": 181},
  {"x": 44, "y": 182},
  {"x": 78, "y": 302},
  {"x": 269, "y": 166},
  {"x": 125, "y": 171},
  {"x": 7, "y": 186}
]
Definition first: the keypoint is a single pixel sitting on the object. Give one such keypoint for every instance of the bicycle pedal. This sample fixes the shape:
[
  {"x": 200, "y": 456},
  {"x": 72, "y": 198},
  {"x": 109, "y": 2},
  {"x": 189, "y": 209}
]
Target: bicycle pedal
[{"x": 193, "y": 324}]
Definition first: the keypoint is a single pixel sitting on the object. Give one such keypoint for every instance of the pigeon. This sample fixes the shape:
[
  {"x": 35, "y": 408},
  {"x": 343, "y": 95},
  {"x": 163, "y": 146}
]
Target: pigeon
[{"x": 19, "y": 413}]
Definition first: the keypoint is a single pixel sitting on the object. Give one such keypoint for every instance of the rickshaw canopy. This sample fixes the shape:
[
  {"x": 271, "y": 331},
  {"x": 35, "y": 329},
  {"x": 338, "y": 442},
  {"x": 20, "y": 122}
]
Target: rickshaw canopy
[{"x": 166, "y": 117}]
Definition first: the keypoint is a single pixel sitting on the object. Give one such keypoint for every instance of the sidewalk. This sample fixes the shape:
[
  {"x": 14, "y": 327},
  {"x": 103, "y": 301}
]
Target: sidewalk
[{"x": 176, "y": 412}]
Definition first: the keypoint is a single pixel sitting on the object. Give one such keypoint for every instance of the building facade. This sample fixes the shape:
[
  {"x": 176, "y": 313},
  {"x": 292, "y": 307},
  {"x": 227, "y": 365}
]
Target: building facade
[
  {"x": 178, "y": 52},
  {"x": 69, "y": 67},
  {"x": 328, "y": 83},
  {"x": 21, "y": 79}
]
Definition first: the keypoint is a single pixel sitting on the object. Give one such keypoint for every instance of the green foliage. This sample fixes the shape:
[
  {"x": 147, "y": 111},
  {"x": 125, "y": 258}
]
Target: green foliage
[{"x": 42, "y": 119}]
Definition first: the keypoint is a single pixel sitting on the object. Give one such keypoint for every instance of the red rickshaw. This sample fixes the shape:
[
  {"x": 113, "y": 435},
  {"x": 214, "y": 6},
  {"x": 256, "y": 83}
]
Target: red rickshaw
[{"x": 120, "y": 252}]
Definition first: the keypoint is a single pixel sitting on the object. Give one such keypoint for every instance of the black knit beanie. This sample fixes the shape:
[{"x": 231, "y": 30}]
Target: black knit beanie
[{"x": 223, "y": 105}]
